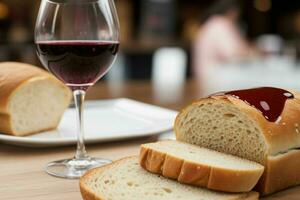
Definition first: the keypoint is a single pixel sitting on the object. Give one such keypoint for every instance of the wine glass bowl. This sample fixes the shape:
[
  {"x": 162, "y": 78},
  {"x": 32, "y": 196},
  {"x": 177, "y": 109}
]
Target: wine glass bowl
[
  {"x": 79, "y": 64},
  {"x": 77, "y": 41}
]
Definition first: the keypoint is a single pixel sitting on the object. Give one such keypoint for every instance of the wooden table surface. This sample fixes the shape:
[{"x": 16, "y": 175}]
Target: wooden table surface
[{"x": 21, "y": 169}]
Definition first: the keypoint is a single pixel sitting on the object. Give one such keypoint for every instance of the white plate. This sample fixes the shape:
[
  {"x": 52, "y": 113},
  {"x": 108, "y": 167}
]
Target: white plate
[{"x": 106, "y": 120}]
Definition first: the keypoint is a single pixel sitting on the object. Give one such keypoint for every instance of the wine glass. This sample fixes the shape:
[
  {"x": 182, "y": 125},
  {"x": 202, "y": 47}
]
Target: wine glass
[{"x": 77, "y": 41}]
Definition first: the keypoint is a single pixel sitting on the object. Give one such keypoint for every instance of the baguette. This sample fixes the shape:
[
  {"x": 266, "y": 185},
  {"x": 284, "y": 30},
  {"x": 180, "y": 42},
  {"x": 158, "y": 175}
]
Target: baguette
[
  {"x": 200, "y": 166},
  {"x": 231, "y": 125},
  {"x": 126, "y": 180},
  {"x": 31, "y": 100}
]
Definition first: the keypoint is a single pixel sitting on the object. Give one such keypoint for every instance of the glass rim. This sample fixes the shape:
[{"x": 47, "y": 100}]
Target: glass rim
[
  {"x": 75, "y": 40},
  {"x": 72, "y": 1}
]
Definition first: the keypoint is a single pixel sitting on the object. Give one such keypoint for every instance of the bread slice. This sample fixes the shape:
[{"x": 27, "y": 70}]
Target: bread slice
[
  {"x": 32, "y": 100},
  {"x": 126, "y": 180},
  {"x": 200, "y": 166}
]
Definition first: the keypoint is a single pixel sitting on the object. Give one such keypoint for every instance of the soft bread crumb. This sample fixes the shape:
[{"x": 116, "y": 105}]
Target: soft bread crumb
[
  {"x": 37, "y": 105},
  {"x": 221, "y": 126}
]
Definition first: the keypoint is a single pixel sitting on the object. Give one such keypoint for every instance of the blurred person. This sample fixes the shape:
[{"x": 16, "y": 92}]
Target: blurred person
[{"x": 219, "y": 39}]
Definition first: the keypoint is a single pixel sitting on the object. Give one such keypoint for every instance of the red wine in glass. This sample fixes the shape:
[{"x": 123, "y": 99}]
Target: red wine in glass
[{"x": 79, "y": 64}]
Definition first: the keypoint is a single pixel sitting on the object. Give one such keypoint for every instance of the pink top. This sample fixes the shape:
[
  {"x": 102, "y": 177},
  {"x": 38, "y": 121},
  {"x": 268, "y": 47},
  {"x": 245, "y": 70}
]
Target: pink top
[{"x": 218, "y": 41}]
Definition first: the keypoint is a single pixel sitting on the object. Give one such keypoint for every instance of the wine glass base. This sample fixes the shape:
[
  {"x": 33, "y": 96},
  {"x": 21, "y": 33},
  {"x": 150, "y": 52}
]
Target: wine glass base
[{"x": 74, "y": 168}]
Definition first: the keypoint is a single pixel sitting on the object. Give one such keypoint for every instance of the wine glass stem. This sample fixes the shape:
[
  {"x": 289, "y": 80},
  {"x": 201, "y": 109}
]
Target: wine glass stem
[{"x": 79, "y": 101}]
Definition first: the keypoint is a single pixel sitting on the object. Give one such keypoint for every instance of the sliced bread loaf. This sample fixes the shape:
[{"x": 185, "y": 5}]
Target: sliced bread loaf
[
  {"x": 239, "y": 123},
  {"x": 31, "y": 100},
  {"x": 126, "y": 180},
  {"x": 200, "y": 166}
]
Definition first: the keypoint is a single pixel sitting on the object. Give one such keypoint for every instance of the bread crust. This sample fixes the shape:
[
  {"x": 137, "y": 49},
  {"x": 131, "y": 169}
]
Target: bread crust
[
  {"x": 279, "y": 138},
  {"x": 14, "y": 76},
  {"x": 88, "y": 194},
  {"x": 282, "y": 171},
  {"x": 5, "y": 124},
  {"x": 198, "y": 174}
]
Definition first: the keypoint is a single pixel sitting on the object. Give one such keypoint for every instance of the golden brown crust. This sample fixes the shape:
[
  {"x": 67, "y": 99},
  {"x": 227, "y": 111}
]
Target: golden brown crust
[
  {"x": 5, "y": 125},
  {"x": 86, "y": 193},
  {"x": 282, "y": 171},
  {"x": 197, "y": 174}
]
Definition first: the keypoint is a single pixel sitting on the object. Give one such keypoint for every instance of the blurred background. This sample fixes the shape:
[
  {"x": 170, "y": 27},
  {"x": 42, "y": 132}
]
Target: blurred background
[{"x": 212, "y": 45}]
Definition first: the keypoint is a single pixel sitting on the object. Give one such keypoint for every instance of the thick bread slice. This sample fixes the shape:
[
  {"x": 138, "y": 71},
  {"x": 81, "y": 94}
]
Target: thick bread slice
[
  {"x": 126, "y": 180},
  {"x": 200, "y": 166},
  {"x": 31, "y": 100},
  {"x": 229, "y": 125}
]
